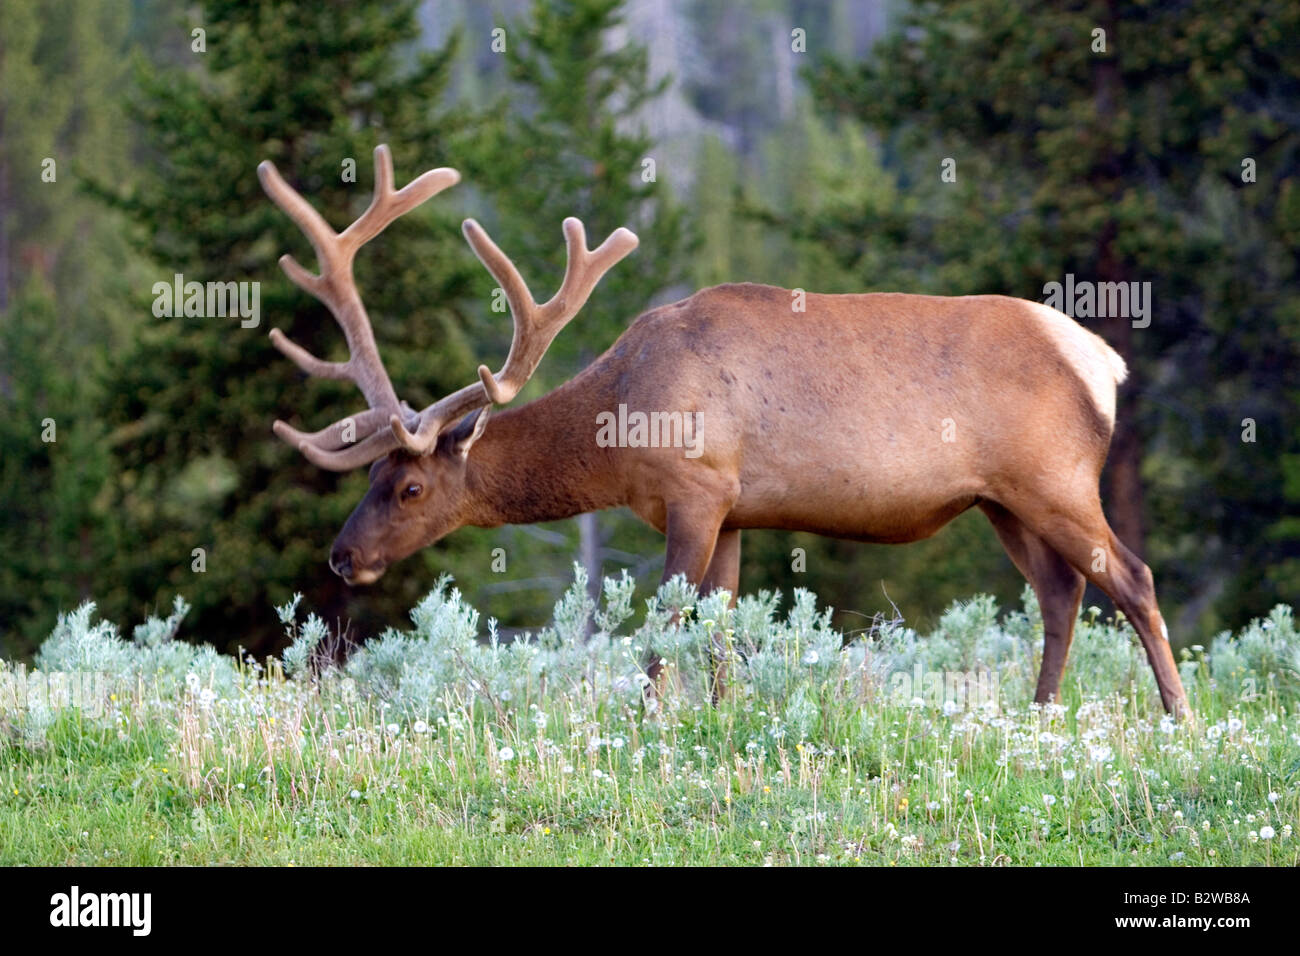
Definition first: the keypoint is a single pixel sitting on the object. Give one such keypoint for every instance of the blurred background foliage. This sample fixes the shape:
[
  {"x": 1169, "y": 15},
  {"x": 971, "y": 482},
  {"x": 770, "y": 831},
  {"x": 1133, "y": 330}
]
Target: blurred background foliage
[{"x": 807, "y": 160}]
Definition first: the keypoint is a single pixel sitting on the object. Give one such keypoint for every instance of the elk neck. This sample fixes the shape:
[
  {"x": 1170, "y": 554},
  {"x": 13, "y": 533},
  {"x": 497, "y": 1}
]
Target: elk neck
[{"x": 540, "y": 462}]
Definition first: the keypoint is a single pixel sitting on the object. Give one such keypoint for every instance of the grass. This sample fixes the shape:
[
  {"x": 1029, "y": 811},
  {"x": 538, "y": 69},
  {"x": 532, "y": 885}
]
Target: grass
[{"x": 556, "y": 761}]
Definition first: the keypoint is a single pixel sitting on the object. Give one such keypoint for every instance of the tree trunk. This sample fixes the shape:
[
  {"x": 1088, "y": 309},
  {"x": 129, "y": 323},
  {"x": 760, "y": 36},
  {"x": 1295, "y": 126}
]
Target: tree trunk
[
  {"x": 589, "y": 556},
  {"x": 5, "y": 220},
  {"x": 1122, "y": 481},
  {"x": 589, "y": 543}
]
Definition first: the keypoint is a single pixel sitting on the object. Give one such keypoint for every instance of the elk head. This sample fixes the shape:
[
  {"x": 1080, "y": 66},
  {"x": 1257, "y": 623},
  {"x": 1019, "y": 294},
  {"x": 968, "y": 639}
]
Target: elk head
[{"x": 418, "y": 459}]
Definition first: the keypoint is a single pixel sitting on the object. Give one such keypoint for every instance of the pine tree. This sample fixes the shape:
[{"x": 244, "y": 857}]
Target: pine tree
[
  {"x": 214, "y": 506},
  {"x": 55, "y": 531},
  {"x": 61, "y": 260}
]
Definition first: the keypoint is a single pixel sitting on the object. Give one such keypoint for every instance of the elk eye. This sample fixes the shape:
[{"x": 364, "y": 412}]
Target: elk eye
[{"x": 410, "y": 491}]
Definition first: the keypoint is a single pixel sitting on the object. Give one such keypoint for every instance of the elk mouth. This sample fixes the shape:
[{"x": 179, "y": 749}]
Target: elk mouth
[
  {"x": 346, "y": 566},
  {"x": 363, "y": 576}
]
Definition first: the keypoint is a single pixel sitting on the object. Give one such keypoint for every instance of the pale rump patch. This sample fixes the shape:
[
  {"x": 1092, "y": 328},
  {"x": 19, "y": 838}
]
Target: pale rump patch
[
  {"x": 1099, "y": 366},
  {"x": 1164, "y": 632}
]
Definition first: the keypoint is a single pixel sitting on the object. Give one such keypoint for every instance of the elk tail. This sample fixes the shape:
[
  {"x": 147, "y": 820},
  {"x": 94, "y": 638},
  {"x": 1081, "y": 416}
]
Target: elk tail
[{"x": 1118, "y": 368}]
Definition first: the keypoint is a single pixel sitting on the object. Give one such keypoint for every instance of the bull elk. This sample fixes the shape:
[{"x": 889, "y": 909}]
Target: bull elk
[{"x": 874, "y": 417}]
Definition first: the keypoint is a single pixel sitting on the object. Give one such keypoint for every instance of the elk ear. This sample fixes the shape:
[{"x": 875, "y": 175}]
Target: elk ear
[{"x": 463, "y": 436}]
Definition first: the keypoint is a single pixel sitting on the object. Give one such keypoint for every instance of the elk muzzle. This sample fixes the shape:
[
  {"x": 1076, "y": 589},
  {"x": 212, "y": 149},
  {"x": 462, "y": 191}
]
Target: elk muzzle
[{"x": 348, "y": 564}]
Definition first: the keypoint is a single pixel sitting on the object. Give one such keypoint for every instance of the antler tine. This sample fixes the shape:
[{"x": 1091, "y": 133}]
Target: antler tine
[
  {"x": 336, "y": 288},
  {"x": 435, "y": 418},
  {"x": 341, "y": 433},
  {"x": 535, "y": 326},
  {"x": 308, "y": 220},
  {"x": 388, "y": 204},
  {"x": 376, "y": 446}
]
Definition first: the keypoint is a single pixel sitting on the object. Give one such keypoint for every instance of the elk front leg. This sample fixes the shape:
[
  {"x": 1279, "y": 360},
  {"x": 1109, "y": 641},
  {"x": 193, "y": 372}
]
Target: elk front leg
[
  {"x": 692, "y": 531},
  {"x": 723, "y": 574}
]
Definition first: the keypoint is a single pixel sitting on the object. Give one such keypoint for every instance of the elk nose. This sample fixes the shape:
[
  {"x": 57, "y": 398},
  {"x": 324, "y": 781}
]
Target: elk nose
[{"x": 341, "y": 562}]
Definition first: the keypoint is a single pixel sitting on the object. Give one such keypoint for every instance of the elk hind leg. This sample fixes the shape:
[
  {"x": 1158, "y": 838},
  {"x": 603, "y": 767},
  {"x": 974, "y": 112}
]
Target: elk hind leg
[{"x": 1083, "y": 537}]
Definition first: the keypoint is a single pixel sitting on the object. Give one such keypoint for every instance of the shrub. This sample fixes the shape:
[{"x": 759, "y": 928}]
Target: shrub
[
  {"x": 1265, "y": 654},
  {"x": 794, "y": 666}
]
